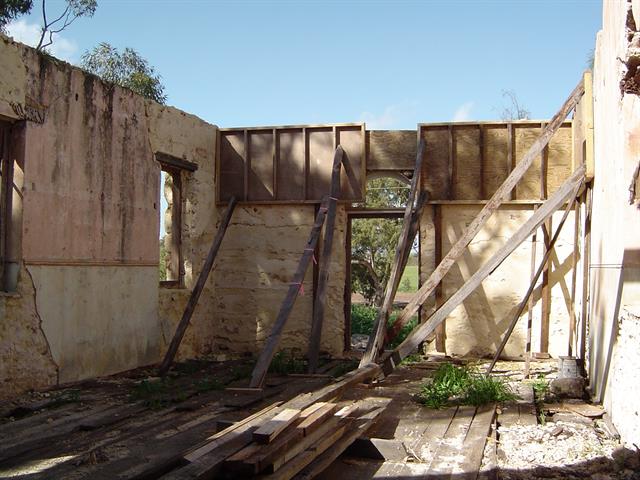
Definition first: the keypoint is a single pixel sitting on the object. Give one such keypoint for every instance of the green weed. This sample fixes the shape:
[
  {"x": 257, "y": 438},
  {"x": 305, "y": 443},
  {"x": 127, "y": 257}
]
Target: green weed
[
  {"x": 485, "y": 389},
  {"x": 343, "y": 368},
  {"x": 285, "y": 362},
  {"x": 411, "y": 359},
  {"x": 540, "y": 389},
  {"x": 208, "y": 384},
  {"x": 461, "y": 385}
]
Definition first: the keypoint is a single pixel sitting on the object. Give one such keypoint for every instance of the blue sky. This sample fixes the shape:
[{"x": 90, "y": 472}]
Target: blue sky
[{"x": 391, "y": 64}]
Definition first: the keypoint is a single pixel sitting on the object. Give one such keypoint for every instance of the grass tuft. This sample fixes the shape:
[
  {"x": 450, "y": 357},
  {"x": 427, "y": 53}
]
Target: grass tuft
[
  {"x": 284, "y": 363},
  {"x": 463, "y": 386}
]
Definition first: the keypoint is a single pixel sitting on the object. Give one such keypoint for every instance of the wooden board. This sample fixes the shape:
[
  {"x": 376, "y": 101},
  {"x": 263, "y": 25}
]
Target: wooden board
[
  {"x": 468, "y": 171},
  {"x": 231, "y": 165},
  {"x": 482, "y": 157},
  {"x": 261, "y": 154},
  {"x": 496, "y": 158},
  {"x": 391, "y": 150},
  {"x": 269, "y": 430},
  {"x": 435, "y": 166},
  {"x": 289, "y": 164}
]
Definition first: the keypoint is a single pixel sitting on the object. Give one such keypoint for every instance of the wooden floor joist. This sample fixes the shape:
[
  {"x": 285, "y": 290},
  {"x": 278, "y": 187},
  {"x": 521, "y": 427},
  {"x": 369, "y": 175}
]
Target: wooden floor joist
[
  {"x": 405, "y": 241},
  {"x": 501, "y": 194},
  {"x": 547, "y": 209},
  {"x": 197, "y": 289}
]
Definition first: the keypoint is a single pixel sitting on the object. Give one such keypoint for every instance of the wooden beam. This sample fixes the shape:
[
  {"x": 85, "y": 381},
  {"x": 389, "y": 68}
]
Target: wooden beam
[
  {"x": 197, "y": 289},
  {"x": 247, "y": 166},
  {"x": 441, "y": 332},
  {"x": 482, "y": 161},
  {"x": 175, "y": 248},
  {"x": 451, "y": 190},
  {"x": 545, "y": 315},
  {"x": 510, "y": 159},
  {"x": 492, "y": 205},
  {"x": 426, "y": 328},
  {"x": 377, "y": 337},
  {"x": 527, "y": 349},
  {"x": 586, "y": 263},
  {"x": 276, "y": 160},
  {"x": 170, "y": 161},
  {"x": 588, "y": 124},
  {"x": 532, "y": 285},
  {"x": 325, "y": 263},
  {"x": 347, "y": 288},
  {"x": 269, "y": 430},
  {"x": 574, "y": 270},
  {"x": 269, "y": 350},
  {"x": 321, "y": 462}
]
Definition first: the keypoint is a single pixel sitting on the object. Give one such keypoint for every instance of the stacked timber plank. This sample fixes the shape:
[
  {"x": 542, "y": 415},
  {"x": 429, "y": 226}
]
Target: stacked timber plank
[{"x": 282, "y": 443}]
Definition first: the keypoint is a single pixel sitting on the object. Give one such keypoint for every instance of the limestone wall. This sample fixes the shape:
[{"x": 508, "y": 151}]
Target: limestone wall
[
  {"x": 477, "y": 326},
  {"x": 87, "y": 212},
  {"x": 615, "y": 245}
]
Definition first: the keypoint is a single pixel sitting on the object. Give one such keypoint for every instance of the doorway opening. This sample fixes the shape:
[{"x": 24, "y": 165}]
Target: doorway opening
[{"x": 373, "y": 230}]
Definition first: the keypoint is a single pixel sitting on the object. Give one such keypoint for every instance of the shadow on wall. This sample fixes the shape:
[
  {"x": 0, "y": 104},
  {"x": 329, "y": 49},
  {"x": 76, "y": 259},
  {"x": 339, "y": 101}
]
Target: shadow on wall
[
  {"x": 485, "y": 315},
  {"x": 603, "y": 324}
]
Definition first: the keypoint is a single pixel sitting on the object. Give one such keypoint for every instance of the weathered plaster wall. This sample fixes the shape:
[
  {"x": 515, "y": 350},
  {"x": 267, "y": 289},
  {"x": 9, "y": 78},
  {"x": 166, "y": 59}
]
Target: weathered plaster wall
[
  {"x": 109, "y": 322},
  {"x": 477, "y": 326},
  {"x": 259, "y": 255},
  {"x": 615, "y": 247},
  {"x": 190, "y": 138},
  {"x": 87, "y": 295},
  {"x": 26, "y": 361}
]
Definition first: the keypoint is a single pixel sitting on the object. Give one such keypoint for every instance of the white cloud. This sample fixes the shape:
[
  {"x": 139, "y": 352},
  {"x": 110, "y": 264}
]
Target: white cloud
[
  {"x": 394, "y": 116},
  {"x": 29, "y": 33},
  {"x": 463, "y": 113}
]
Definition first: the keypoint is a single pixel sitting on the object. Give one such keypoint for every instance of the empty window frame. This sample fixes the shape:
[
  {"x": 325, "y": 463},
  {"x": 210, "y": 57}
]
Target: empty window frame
[
  {"x": 8, "y": 272},
  {"x": 172, "y": 188}
]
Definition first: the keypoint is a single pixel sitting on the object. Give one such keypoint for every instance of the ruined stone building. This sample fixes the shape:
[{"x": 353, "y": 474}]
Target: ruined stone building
[{"x": 81, "y": 208}]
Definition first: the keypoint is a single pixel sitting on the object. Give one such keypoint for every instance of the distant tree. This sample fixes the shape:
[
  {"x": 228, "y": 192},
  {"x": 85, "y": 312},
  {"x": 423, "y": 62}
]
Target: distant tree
[
  {"x": 514, "y": 110},
  {"x": 374, "y": 240},
  {"x": 127, "y": 69},
  {"x": 11, "y": 9},
  {"x": 73, "y": 10},
  {"x": 51, "y": 25},
  {"x": 591, "y": 58}
]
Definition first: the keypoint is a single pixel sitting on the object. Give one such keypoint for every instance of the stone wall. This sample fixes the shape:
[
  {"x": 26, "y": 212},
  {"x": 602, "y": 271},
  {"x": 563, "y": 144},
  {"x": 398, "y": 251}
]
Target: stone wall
[
  {"x": 87, "y": 212},
  {"x": 476, "y": 327},
  {"x": 615, "y": 246}
]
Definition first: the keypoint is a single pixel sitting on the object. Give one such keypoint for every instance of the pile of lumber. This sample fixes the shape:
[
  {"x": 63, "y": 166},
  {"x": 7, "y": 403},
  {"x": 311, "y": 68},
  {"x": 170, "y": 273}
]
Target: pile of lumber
[{"x": 282, "y": 443}]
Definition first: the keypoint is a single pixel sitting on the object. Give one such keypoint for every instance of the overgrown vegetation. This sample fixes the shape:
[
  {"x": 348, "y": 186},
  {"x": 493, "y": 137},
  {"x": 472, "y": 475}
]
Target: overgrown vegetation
[
  {"x": 454, "y": 385},
  {"x": 127, "y": 69},
  {"x": 364, "y": 316},
  {"x": 344, "y": 368},
  {"x": 286, "y": 361},
  {"x": 540, "y": 389}
]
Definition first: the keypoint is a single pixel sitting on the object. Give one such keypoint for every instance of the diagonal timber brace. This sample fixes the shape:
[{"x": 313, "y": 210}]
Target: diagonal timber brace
[
  {"x": 405, "y": 241},
  {"x": 501, "y": 194},
  {"x": 418, "y": 335},
  {"x": 534, "y": 280},
  {"x": 269, "y": 350},
  {"x": 197, "y": 290}
]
